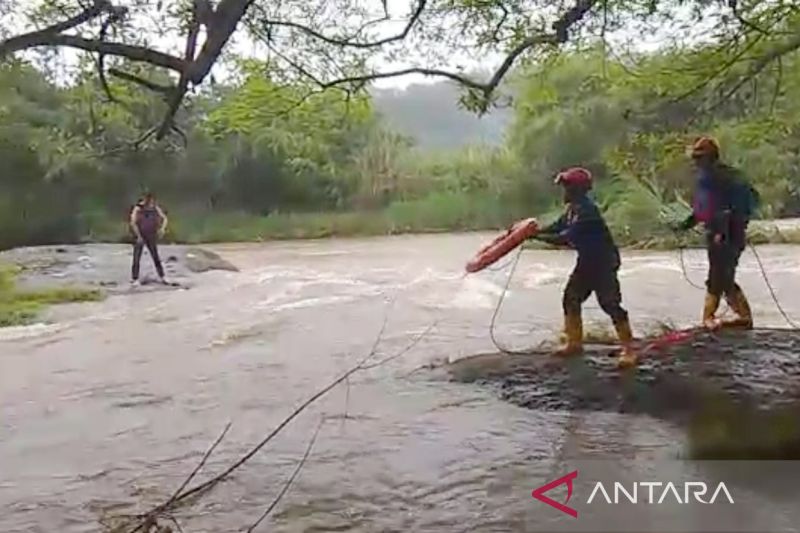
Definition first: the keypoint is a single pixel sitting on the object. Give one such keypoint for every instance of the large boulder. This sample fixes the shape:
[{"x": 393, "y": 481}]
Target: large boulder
[{"x": 200, "y": 260}]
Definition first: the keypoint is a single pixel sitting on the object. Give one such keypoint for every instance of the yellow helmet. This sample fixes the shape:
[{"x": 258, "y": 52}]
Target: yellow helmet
[{"x": 705, "y": 146}]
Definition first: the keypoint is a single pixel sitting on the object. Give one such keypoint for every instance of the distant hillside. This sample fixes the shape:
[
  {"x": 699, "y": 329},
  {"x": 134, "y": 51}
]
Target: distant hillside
[{"x": 430, "y": 114}]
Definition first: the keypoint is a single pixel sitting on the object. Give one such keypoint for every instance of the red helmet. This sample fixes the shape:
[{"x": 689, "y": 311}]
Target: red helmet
[{"x": 575, "y": 176}]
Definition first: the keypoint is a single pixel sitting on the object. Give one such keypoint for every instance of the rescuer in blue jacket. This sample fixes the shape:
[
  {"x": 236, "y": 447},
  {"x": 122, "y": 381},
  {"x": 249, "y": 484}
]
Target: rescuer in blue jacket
[
  {"x": 723, "y": 202},
  {"x": 583, "y": 228}
]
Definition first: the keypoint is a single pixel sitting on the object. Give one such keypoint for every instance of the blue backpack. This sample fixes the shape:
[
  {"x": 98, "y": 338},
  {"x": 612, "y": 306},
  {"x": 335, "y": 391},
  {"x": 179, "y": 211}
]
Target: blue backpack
[{"x": 746, "y": 199}]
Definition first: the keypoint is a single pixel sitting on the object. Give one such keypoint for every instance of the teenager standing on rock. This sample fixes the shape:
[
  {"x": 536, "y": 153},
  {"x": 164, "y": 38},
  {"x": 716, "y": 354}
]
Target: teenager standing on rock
[{"x": 148, "y": 223}]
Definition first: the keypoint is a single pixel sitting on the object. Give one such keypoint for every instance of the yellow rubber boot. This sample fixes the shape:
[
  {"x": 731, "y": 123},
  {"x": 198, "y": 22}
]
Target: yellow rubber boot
[
  {"x": 740, "y": 306},
  {"x": 627, "y": 356},
  {"x": 573, "y": 332},
  {"x": 710, "y": 307}
]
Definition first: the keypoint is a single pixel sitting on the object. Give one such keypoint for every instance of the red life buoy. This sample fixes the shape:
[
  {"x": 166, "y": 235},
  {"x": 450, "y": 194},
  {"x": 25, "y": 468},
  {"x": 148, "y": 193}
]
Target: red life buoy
[{"x": 513, "y": 237}]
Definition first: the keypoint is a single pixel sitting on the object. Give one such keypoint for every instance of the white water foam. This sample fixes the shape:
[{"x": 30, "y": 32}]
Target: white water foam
[{"x": 39, "y": 329}]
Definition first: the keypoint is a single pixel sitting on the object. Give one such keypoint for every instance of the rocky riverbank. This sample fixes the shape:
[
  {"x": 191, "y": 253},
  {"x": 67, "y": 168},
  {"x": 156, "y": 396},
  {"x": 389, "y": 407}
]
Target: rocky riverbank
[
  {"x": 107, "y": 267},
  {"x": 737, "y": 393}
]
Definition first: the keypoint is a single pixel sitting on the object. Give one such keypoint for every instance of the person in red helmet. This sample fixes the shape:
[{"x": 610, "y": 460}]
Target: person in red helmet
[
  {"x": 583, "y": 228},
  {"x": 723, "y": 202}
]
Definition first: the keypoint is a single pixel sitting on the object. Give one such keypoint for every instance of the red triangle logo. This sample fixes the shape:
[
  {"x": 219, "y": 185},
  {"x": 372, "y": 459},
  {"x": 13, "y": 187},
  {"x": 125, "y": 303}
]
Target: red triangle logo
[{"x": 539, "y": 493}]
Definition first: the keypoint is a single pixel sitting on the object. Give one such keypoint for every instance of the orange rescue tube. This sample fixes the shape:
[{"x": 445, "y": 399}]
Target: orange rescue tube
[{"x": 513, "y": 237}]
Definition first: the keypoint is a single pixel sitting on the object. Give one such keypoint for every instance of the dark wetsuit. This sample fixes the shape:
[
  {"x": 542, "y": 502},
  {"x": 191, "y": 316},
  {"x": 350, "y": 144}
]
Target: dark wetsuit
[
  {"x": 148, "y": 222},
  {"x": 582, "y": 227},
  {"x": 723, "y": 203}
]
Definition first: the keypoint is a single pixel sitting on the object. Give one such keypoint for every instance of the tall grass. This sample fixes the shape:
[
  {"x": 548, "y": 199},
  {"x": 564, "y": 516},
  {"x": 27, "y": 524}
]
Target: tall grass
[
  {"x": 437, "y": 212},
  {"x": 637, "y": 215}
]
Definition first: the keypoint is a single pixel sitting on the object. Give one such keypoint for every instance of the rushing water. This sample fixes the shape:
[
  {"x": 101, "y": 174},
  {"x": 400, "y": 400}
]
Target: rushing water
[{"x": 109, "y": 411}]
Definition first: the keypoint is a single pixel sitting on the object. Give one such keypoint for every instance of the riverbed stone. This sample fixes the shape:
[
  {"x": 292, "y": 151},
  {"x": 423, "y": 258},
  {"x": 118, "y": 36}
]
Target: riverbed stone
[{"x": 108, "y": 266}]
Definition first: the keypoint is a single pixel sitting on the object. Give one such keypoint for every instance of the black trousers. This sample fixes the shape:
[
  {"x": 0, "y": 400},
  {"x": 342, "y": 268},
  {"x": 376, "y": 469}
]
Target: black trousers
[
  {"x": 600, "y": 278},
  {"x": 723, "y": 259},
  {"x": 150, "y": 241}
]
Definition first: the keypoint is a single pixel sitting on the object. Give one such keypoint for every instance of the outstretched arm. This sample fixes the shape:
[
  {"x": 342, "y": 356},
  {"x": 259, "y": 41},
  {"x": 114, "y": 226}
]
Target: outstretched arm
[{"x": 555, "y": 233}]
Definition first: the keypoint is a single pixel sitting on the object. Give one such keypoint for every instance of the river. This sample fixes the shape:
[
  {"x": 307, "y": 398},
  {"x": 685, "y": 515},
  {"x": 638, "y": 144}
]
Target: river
[{"x": 109, "y": 409}]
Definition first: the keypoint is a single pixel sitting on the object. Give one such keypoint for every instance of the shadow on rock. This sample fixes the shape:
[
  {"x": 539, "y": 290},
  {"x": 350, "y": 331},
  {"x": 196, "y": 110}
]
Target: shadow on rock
[{"x": 738, "y": 393}]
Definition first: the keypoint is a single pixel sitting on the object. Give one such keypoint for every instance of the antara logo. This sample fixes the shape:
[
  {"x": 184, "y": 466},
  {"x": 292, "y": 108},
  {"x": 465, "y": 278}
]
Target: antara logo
[
  {"x": 539, "y": 493},
  {"x": 656, "y": 492}
]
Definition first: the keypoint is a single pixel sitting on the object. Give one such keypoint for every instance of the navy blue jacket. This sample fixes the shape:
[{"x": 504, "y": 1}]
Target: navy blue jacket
[{"x": 583, "y": 228}]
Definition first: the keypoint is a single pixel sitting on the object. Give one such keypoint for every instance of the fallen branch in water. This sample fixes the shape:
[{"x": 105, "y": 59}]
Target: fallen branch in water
[
  {"x": 289, "y": 481},
  {"x": 199, "y": 465},
  {"x": 146, "y": 522}
]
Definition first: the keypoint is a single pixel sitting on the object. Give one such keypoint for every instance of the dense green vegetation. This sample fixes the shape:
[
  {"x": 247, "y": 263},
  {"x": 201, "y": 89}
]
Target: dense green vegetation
[
  {"x": 18, "y": 307},
  {"x": 270, "y": 160}
]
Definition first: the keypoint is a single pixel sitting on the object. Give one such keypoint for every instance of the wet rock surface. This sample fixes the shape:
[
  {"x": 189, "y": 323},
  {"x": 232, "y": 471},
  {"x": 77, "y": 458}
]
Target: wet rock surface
[
  {"x": 757, "y": 368},
  {"x": 108, "y": 266}
]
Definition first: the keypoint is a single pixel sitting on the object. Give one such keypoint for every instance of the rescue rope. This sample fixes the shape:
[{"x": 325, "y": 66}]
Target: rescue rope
[
  {"x": 793, "y": 325},
  {"x": 500, "y": 348},
  {"x": 684, "y": 271},
  {"x": 681, "y": 255},
  {"x": 762, "y": 269}
]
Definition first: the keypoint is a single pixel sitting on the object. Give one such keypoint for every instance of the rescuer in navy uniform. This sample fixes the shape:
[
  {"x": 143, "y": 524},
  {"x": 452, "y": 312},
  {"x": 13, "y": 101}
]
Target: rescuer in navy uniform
[
  {"x": 723, "y": 202},
  {"x": 583, "y": 228}
]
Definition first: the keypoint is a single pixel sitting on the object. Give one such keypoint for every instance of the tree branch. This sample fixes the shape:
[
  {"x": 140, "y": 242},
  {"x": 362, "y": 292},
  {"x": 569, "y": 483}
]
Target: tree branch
[
  {"x": 220, "y": 25},
  {"x": 222, "y": 22},
  {"x": 349, "y": 42},
  {"x": 299, "y": 68},
  {"x": 53, "y": 36},
  {"x": 101, "y": 60},
  {"x": 199, "y": 465},
  {"x": 496, "y": 32},
  {"x": 487, "y": 87},
  {"x": 463, "y": 80},
  {"x": 225, "y": 19},
  {"x": 289, "y": 481},
  {"x": 734, "y": 5},
  {"x": 759, "y": 65},
  {"x": 560, "y": 35},
  {"x": 174, "y": 101},
  {"x": 132, "y": 52},
  {"x": 153, "y": 86},
  {"x": 17, "y": 43},
  {"x": 719, "y": 71},
  {"x": 574, "y": 15}
]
